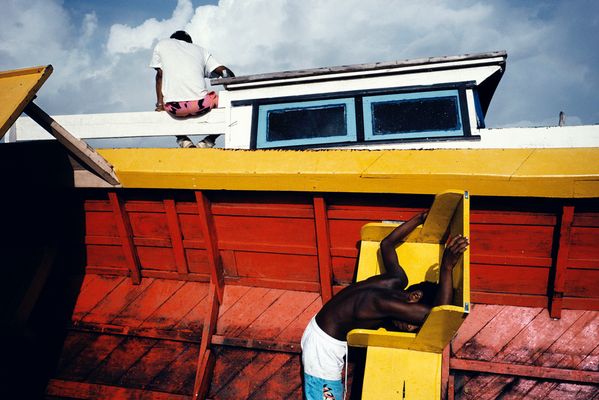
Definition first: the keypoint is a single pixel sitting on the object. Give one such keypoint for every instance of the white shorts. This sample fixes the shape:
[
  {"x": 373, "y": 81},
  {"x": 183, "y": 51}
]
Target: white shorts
[{"x": 322, "y": 355}]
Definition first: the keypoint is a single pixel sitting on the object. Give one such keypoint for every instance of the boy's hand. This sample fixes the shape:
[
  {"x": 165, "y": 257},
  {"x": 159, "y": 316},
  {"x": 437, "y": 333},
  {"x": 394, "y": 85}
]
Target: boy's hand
[{"x": 454, "y": 248}]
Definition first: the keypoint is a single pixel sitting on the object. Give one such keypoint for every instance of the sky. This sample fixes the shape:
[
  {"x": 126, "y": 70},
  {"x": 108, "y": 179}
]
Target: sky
[{"x": 100, "y": 49}]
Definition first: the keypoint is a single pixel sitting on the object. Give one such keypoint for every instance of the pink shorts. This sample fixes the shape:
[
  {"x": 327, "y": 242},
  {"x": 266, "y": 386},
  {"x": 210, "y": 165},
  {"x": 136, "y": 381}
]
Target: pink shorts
[{"x": 192, "y": 107}]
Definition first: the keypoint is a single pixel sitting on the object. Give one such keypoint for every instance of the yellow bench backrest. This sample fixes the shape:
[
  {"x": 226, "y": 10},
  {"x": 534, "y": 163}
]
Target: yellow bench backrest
[{"x": 420, "y": 256}]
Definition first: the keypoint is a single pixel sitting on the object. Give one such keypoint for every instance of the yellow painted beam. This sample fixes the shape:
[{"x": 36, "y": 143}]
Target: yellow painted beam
[
  {"x": 17, "y": 89},
  {"x": 559, "y": 173}
]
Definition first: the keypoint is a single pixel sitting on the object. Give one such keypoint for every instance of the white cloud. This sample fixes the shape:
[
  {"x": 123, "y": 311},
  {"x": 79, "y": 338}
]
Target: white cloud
[{"x": 552, "y": 62}]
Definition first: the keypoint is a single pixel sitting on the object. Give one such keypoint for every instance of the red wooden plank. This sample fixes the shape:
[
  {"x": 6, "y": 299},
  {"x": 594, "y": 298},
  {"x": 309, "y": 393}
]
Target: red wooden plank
[
  {"x": 231, "y": 296},
  {"x": 73, "y": 344},
  {"x": 279, "y": 315},
  {"x": 294, "y": 331},
  {"x": 179, "y": 376},
  {"x": 277, "y": 266},
  {"x": 147, "y": 302},
  {"x": 78, "y": 390},
  {"x": 253, "y": 376},
  {"x": 284, "y": 381},
  {"x": 257, "y": 344},
  {"x": 148, "y": 224},
  {"x": 557, "y": 286},
  {"x": 148, "y": 206},
  {"x": 125, "y": 232},
  {"x": 194, "y": 319},
  {"x": 100, "y": 223},
  {"x": 274, "y": 284},
  {"x": 90, "y": 357},
  {"x": 245, "y": 311},
  {"x": 206, "y": 358},
  {"x": 176, "y": 237},
  {"x": 575, "y": 344},
  {"x": 156, "y": 258},
  {"x": 498, "y": 217},
  {"x": 521, "y": 240},
  {"x": 581, "y": 304},
  {"x": 500, "y": 278},
  {"x": 264, "y": 210},
  {"x": 96, "y": 205},
  {"x": 183, "y": 335},
  {"x": 479, "y": 317},
  {"x": 584, "y": 242},
  {"x": 209, "y": 233},
  {"x": 508, "y": 299},
  {"x": 106, "y": 256},
  {"x": 344, "y": 268},
  {"x": 532, "y": 371},
  {"x": 127, "y": 353},
  {"x": 500, "y": 330},
  {"x": 110, "y": 306},
  {"x": 159, "y": 357},
  {"x": 175, "y": 308},
  {"x": 95, "y": 289},
  {"x": 565, "y": 391},
  {"x": 229, "y": 362},
  {"x": 323, "y": 243},
  {"x": 582, "y": 283}
]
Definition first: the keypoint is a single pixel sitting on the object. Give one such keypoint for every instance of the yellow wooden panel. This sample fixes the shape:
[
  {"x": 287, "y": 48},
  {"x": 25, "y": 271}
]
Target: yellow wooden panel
[
  {"x": 17, "y": 89},
  {"x": 487, "y": 172},
  {"x": 401, "y": 374}
]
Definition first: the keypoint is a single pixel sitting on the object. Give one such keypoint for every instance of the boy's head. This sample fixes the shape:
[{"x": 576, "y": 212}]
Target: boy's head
[
  {"x": 423, "y": 292},
  {"x": 181, "y": 35}
]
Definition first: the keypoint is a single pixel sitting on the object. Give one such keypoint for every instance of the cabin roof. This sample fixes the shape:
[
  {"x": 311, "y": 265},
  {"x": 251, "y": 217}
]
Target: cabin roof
[{"x": 436, "y": 63}]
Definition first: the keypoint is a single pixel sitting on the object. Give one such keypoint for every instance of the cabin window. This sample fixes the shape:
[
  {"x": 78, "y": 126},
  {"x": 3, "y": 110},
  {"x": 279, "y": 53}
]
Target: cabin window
[
  {"x": 306, "y": 123},
  {"x": 412, "y": 115}
]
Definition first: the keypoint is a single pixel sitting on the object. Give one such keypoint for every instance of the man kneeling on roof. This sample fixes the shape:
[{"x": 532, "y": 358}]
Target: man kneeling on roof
[{"x": 378, "y": 301}]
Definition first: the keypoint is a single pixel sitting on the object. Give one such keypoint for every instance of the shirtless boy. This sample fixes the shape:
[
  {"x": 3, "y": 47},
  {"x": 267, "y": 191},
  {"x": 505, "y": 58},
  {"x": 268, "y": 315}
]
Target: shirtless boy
[{"x": 377, "y": 301}]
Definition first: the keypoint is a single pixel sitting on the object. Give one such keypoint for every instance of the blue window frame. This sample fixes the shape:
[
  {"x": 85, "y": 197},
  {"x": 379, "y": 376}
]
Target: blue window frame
[
  {"x": 412, "y": 115},
  {"x": 306, "y": 123}
]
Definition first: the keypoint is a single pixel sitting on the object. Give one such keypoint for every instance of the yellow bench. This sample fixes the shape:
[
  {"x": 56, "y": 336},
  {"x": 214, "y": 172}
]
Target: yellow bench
[{"x": 408, "y": 365}]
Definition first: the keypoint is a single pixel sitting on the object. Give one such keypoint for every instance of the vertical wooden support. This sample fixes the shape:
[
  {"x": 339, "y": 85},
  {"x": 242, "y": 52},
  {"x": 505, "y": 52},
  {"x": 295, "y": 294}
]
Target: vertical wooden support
[
  {"x": 451, "y": 387},
  {"x": 211, "y": 240},
  {"x": 176, "y": 237},
  {"x": 559, "y": 277},
  {"x": 124, "y": 228},
  {"x": 206, "y": 359},
  {"x": 323, "y": 243},
  {"x": 445, "y": 372}
]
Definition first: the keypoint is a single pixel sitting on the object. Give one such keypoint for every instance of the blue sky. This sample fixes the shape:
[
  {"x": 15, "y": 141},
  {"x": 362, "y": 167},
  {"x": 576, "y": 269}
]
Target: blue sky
[{"x": 100, "y": 50}]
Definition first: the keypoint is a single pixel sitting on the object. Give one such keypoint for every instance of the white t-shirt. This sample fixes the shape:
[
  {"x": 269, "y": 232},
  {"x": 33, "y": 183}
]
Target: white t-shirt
[{"x": 184, "y": 67}]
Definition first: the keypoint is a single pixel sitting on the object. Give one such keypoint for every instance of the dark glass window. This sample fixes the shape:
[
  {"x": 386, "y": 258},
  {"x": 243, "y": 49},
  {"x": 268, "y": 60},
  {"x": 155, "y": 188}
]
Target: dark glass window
[
  {"x": 306, "y": 123},
  {"x": 303, "y": 123},
  {"x": 412, "y": 115},
  {"x": 417, "y": 115}
]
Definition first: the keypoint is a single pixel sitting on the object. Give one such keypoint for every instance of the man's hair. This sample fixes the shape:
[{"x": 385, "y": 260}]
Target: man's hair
[
  {"x": 428, "y": 289},
  {"x": 181, "y": 35}
]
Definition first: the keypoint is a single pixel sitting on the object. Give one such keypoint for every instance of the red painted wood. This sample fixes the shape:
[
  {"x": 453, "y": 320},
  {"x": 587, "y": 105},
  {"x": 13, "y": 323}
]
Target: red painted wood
[
  {"x": 209, "y": 234},
  {"x": 512, "y": 260},
  {"x": 107, "y": 256},
  {"x": 156, "y": 258},
  {"x": 524, "y": 370},
  {"x": 582, "y": 283},
  {"x": 159, "y": 357},
  {"x": 257, "y": 344},
  {"x": 147, "y": 206},
  {"x": 294, "y": 331},
  {"x": 229, "y": 362},
  {"x": 284, "y": 381},
  {"x": 479, "y": 316},
  {"x": 149, "y": 225},
  {"x": 206, "y": 358},
  {"x": 93, "y": 289},
  {"x": 277, "y": 266},
  {"x": 96, "y": 205},
  {"x": 500, "y": 330},
  {"x": 519, "y": 240},
  {"x": 176, "y": 237},
  {"x": 232, "y": 295},
  {"x": 509, "y": 279},
  {"x": 245, "y": 311},
  {"x": 508, "y": 299},
  {"x": 120, "y": 360},
  {"x": 179, "y": 376},
  {"x": 125, "y": 232},
  {"x": 100, "y": 223},
  {"x": 279, "y": 315},
  {"x": 557, "y": 287},
  {"x": 445, "y": 372},
  {"x": 344, "y": 269},
  {"x": 581, "y": 304},
  {"x": 323, "y": 244},
  {"x": 119, "y": 298},
  {"x": 136, "y": 312},
  {"x": 100, "y": 347},
  {"x": 204, "y": 375},
  {"x": 583, "y": 244},
  {"x": 79, "y": 390},
  {"x": 182, "y": 335},
  {"x": 499, "y": 217},
  {"x": 177, "y": 306},
  {"x": 265, "y": 210}
]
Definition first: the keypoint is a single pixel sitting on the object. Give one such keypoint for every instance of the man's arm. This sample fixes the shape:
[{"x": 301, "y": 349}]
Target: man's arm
[
  {"x": 389, "y": 243},
  {"x": 454, "y": 249},
  {"x": 223, "y": 72},
  {"x": 159, "y": 98}
]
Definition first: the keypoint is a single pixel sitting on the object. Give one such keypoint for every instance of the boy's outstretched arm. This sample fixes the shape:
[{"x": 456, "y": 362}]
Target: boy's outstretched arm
[
  {"x": 455, "y": 247},
  {"x": 389, "y": 243}
]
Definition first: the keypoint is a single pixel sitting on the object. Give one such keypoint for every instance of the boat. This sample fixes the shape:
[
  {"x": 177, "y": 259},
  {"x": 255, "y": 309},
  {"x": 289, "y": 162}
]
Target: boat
[{"x": 170, "y": 273}]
